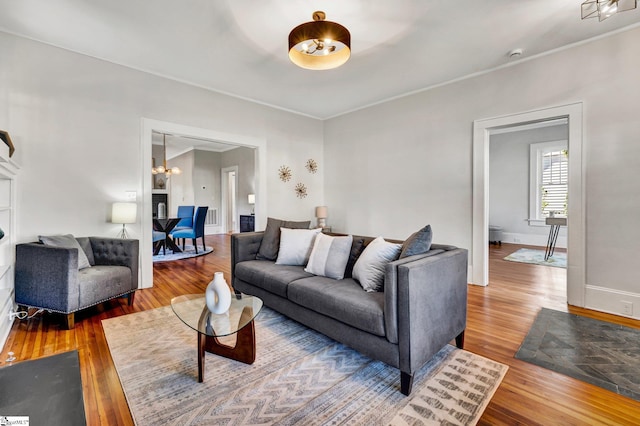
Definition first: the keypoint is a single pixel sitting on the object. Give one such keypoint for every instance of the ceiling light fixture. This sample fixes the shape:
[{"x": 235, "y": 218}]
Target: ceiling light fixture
[
  {"x": 163, "y": 168},
  {"x": 603, "y": 9},
  {"x": 320, "y": 44}
]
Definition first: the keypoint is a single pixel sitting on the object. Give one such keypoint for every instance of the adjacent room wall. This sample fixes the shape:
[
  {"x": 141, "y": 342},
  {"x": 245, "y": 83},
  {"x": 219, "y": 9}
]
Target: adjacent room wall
[
  {"x": 509, "y": 173},
  {"x": 394, "y": 167},
  {"x": 244, "y": 158}
]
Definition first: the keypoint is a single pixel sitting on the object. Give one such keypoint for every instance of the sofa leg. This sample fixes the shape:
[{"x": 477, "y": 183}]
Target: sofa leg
[
  {"x": 69, "y": 321},
  {"x": 406, "y": 383},
  {"x": 132, "y": 296},
  {"x": 460, "y": 340}
]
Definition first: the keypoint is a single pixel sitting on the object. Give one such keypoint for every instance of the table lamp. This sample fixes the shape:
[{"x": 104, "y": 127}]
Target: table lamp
[
  {"x": 252, "y": 201},
  {"x": 321, "y": 213},
  {"x": 123, "y": 213}
]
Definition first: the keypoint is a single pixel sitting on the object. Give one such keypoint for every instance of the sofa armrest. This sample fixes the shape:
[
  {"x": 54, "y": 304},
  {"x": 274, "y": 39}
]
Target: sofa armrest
[
  {"x": 432, "y": 306},
  {"x": 244, "y": 246},
  {"x": 47, "y": 277},
  {"x": 118, "y": 252}
]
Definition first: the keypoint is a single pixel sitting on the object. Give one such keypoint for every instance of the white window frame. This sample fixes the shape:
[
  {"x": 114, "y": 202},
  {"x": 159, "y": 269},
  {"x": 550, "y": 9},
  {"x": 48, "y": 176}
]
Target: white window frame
[{"x": 535, "y": 175}]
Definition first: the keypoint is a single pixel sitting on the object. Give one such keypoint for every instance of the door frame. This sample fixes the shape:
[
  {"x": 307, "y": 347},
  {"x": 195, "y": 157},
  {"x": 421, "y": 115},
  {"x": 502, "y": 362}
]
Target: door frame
[
  {"x": 576, "y": 265},
  {"x": 147, "y": 127},
  {"x": 224, "y": 191}
]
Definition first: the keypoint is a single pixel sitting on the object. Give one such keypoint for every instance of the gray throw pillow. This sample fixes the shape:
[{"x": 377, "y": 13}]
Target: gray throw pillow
[
  {"x": 66, "y": 241},
  {"x": 418, "y": 243},
  {"x": 271, "y": 239},
  {"x": 85, "y": 243}
]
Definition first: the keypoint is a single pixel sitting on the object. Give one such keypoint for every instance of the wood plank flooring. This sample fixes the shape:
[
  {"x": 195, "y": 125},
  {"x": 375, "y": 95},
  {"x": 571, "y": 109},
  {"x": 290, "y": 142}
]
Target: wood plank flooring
[{"x": 499, "y": 317}]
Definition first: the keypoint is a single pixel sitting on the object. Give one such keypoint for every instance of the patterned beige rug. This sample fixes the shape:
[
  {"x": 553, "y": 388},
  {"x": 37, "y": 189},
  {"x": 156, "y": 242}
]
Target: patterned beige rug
[{"x": 299, "y": 377}]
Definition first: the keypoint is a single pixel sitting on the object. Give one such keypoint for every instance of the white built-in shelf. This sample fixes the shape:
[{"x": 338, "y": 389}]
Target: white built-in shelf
[{"x": 4, "y": 269}]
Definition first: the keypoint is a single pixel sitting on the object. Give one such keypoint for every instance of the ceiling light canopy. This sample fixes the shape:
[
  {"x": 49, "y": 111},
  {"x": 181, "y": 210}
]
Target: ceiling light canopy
[
  {"x": 320, "y": 44},
  {"x": 603, "y": 9},
  {"x": 163, "y": 168}
]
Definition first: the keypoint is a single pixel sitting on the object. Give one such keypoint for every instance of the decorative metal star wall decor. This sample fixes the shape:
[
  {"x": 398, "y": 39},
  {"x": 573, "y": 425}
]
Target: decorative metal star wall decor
[
  {"x": 311, "y": 165},
  {"x": 285, "y": 173},
  {"x": 301, "y": 190}
]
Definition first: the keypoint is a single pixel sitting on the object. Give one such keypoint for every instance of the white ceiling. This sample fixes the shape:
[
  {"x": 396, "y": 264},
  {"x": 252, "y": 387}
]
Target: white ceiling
[{"x": 239, "y": 47}]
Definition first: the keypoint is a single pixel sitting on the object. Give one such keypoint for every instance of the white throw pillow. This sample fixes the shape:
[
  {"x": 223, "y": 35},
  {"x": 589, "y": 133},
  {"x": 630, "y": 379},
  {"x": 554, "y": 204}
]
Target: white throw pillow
[
  {"x": 296, "y": 245},
  {"x": 370, "y": 266},
  {"x": 329, "y": 256}
]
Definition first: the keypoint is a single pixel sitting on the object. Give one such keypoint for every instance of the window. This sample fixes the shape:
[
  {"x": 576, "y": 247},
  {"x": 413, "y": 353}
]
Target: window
[{"x": 549, "y": 180}]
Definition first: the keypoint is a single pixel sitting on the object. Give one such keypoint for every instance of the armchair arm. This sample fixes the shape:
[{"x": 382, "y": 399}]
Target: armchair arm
[
  {"x": 119, "y": 252},
  {"x": 47, "y": 277},
  {"x": 244, "y": 246},
  {"x": 432, "y": 306}
]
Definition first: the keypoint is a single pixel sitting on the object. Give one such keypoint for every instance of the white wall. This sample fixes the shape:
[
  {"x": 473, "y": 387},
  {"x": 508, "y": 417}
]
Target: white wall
[
  {"x": 181, "y": 187},
  {"x": 76, "y": 125},
  {"x": 394, "y": 167},
  {"x": 509, "y": 184}
]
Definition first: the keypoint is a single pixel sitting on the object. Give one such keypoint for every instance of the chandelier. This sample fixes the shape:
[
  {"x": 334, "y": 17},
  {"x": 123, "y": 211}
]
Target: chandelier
[
  {"x": 163, "y": 168},
  {"x": 320, "y": 44},
  {"x": 603, "y": 9}
]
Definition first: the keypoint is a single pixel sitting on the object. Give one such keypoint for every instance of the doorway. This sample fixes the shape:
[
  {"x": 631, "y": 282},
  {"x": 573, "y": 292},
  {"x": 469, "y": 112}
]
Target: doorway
[
  {"x": 149, "y": 126},
  {"x": 229, "y": 198},
  {"x": 575, "y": 209}
]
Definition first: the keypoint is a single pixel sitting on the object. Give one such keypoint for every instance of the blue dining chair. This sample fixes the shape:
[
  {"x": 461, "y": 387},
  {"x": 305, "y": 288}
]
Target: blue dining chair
[
  {"x": 185, "y": 213},
  {"x": 197, "y": 231},
  {"x": 159, "y": 239}
]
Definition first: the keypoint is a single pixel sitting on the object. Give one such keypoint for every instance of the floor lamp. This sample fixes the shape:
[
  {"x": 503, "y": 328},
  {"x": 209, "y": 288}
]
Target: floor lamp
[{"x": 123, "y": 213}]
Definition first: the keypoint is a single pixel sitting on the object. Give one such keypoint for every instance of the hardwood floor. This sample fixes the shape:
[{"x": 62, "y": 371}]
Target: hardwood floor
[{"x": 499, "y": 317}]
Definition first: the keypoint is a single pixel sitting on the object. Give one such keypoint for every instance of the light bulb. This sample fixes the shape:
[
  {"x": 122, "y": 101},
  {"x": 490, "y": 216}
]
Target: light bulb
[
  {"x": 305, "y": 47},
  {"x": 160, "y": 169},
  {"x": 327, "y": 41},
  {"x": 325, "y": 52}
]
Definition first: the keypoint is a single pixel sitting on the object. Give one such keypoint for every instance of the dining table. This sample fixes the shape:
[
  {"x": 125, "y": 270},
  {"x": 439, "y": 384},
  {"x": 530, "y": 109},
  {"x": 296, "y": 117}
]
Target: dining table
[{"x": 166, "y": 225}]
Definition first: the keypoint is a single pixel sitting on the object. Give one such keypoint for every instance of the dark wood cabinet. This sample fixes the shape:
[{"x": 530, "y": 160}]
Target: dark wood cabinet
[{"x": 247, "y": 223}]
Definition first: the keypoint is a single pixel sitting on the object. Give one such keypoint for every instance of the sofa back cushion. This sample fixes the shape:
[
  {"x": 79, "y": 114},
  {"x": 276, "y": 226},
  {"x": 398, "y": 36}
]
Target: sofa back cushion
[{"x": 270, "y": 244}]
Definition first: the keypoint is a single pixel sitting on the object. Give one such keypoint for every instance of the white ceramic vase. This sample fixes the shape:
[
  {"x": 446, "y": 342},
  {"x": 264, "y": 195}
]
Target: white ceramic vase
[{"x": 218, "y": 294}]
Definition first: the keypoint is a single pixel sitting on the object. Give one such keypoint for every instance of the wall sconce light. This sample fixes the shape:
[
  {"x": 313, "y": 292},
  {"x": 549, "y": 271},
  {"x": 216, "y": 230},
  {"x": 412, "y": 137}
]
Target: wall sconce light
[{"x": 123, "y": 213}]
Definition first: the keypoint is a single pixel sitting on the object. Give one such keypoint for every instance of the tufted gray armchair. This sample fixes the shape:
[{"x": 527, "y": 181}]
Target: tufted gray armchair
[{"x": 48, "y": 277}]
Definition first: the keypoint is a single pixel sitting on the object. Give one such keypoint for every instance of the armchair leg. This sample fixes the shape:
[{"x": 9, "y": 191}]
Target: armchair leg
[
  {"x": 460, "y": 340},
  {"x": 69, "y": 321},
  {"x": 132, "y": 296},
  {"x": 406, "y": 383}
]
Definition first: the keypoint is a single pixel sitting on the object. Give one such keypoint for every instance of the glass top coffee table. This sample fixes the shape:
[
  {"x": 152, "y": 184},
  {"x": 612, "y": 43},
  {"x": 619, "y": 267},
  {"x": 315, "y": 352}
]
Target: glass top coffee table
[{"x": 192, "y": 310}]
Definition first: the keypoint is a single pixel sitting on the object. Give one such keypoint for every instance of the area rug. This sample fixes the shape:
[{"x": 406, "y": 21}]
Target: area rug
[
  {"x": 43, "y": 391},
  {"x": 596, "y": 352},
  {"x": 188, "y": 252},
  {"x": 299, "y": 377},
  {"x": 524, "y": 255}
]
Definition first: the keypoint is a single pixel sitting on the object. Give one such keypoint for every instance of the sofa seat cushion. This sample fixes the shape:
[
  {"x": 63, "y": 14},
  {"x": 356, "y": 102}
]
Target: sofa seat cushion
[
  {"x": 343, "y": 300},
  {"x": 100, "y": 283},
  {"x": 269, "y": 276}
]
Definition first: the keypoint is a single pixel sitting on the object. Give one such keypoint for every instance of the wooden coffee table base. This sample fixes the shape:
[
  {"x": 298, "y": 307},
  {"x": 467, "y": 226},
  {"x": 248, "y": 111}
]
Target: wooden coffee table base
[{"x": 243, "y": 351}]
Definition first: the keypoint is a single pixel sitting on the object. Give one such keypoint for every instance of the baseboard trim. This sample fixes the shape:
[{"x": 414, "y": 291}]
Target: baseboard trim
[
  {"x": 611, "y": 301},
  {"x": 5, "y": 322},
  {"x": 532, "y": 239}
]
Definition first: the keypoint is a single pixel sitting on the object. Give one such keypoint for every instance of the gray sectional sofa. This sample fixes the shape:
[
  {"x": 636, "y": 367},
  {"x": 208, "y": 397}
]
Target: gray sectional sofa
[
  {"x": 422, "y": 308},
  {"x": 50, "y": 278}
]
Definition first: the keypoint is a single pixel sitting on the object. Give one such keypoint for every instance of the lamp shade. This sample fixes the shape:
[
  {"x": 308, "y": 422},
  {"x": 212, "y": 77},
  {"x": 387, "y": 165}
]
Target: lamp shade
[
  {"x": 322, "y": 212},
  {"x": 319, "y": 44},
  {"x": 252, "y": 198},
  {"x": 123, "y": 213}
]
